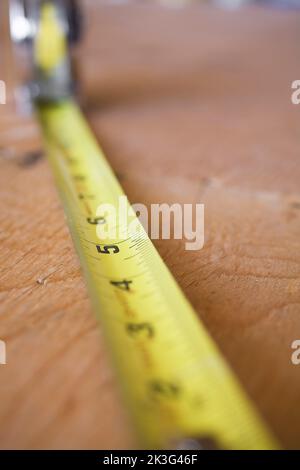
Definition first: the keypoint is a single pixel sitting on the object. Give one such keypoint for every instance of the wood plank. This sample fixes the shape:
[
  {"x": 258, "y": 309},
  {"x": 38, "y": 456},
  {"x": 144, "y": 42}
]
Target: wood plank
[{"x": 190, "y": 105}]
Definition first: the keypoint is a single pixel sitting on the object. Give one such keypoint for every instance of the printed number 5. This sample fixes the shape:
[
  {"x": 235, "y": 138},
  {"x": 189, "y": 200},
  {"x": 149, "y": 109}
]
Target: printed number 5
[{"x": 108, "y": 249}]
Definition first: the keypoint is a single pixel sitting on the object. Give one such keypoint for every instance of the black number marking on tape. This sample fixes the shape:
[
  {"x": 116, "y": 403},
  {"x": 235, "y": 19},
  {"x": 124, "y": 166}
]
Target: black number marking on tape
[
  {"x": 96, "y": 220},
  {"x": 160, "y": 388},
  {"x": 124, "y": 285},
  {"x": 136, "y": 328},
  {"x": 86, "y": 196},
  {"x": 108, "y": 249}
]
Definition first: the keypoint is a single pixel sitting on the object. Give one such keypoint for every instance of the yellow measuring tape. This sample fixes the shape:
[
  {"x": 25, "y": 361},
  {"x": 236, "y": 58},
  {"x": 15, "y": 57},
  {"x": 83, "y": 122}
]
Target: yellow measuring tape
[
  {"x": 176, "y": 384},
  {"x": 50, "y": 45}
]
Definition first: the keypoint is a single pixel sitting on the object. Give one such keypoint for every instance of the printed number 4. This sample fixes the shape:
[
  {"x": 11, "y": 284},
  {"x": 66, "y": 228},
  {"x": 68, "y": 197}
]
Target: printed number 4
[{"x": 108, "y": 249}]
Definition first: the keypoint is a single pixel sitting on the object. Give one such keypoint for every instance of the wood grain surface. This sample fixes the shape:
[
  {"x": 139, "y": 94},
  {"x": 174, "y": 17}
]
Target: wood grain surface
[{"x": 190, "y": 105}]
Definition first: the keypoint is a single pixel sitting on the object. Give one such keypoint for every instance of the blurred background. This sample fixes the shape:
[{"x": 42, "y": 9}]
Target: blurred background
[{"x": 191, "y": 102}]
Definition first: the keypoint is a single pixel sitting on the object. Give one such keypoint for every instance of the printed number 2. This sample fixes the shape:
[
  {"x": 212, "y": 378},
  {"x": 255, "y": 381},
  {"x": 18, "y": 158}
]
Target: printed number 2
[{"x": 108, "y": 249}]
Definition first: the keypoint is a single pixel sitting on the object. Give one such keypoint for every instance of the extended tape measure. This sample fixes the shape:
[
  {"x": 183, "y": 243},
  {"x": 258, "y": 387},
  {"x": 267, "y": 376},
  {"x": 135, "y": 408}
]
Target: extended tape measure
[
  {"x": 175, "y": 381},
  {"x": 176, "y": 384}
]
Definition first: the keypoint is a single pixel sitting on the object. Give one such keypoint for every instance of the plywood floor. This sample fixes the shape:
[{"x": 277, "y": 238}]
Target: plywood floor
[{"x": 190, "y": 106}]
